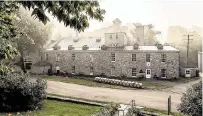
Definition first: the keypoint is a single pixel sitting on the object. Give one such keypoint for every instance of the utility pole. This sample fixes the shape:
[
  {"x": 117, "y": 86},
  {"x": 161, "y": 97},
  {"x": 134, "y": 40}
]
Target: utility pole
[{"x": 188, "y": 46}]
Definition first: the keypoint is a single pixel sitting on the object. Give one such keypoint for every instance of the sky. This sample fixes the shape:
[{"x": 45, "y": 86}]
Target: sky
[{"x": 160, "y": 13}]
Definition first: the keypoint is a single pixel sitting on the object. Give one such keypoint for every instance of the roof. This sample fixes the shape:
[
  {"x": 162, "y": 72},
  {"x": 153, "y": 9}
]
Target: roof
[
  {"x": 144, "y": 48},
  {"x": 169, "y": 48},
  {"x": 90, "y": 42}
]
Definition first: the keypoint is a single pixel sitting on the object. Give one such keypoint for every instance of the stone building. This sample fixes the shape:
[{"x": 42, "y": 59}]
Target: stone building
[{"x": 111, "y": 57}]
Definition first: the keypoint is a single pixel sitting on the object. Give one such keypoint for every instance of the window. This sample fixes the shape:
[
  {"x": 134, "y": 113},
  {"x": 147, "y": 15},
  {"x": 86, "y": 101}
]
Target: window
[
  {"x": 187, "y": 71},
  {"x": 91, "y": 70},
  {"x": 148, "y": 71},
  {"x": 73, "y": 56},
  {"x": 134, "y": 73},
  {"x": 116, "y": 36},
  {"x": 112, "y": 71},
  {"x": 113, "y": 57},
  {"x": 163, "y": 72},
  {"x": 57, "y": 57},
  {"x": 147, "y": 57},
  {"x": 110, "y": 36},
  {"x": 133, "y": 57},
  {"x": 46, "y": 57},
  {"x": 73, "y": 69},
  {"x": 163, "y": 57}
]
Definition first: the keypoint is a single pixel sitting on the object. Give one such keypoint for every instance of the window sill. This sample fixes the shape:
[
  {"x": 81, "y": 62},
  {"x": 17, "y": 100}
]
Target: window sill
[
  {"x": 134, "y": 76},
  {"x": 113, "y": 61}
]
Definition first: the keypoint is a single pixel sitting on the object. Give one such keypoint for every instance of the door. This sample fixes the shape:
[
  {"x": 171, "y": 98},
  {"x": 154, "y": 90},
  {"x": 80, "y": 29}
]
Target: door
[
  {"x": 187, "y": 73},
  {"x": 148, "y": 73}
]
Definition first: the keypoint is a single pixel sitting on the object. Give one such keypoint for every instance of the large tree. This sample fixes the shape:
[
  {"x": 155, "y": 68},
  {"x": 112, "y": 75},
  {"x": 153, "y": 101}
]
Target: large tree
[{"x": 75, "y": 14}]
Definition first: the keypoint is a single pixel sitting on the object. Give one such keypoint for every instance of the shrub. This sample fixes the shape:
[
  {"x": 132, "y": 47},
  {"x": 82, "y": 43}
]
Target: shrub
[
  {"x": 191, "y": 101},
  {"x": 108, "y": 110},
  {"x": 133, "y": 111},
  {"x": 18, "y": 92}
]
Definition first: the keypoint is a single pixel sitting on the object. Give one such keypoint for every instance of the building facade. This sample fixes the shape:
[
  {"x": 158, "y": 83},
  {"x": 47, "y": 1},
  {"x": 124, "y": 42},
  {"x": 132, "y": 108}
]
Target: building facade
[
  {"x": 112, "y": 57},
  {"x": 115, "y": 62}
]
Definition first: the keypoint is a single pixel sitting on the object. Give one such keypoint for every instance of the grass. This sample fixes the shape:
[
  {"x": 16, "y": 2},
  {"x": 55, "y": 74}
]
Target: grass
[
  {"x": 58, "y": 108},
  {"x": 83, "y": 81},
  {"x": 88, "y": 100},
  {"x": 147, "y": 84},
  {"x": 164, "y": 112}
]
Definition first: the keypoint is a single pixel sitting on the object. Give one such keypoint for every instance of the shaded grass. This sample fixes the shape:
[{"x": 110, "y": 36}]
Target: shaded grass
[
  {"x": 58, "y": 108},
  {"x": 84, "y": 81},
  {"x": 147, "y": 84}
]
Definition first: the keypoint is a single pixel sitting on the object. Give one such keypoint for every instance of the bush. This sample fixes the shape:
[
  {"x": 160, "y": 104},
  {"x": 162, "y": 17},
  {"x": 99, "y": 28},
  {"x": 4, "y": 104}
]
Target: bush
[
  {"x": 18, "y": 92},
  {"x": 191, "y": 101},
  {"x": 108, "y": 110},
  {"x": 133, "y": 111}
]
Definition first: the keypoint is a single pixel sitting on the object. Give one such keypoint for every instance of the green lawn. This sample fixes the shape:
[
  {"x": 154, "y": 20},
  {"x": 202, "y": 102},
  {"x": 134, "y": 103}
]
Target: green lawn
[
  {"x": 147, "y": 84},
  {"x": 57, "y": 108}
]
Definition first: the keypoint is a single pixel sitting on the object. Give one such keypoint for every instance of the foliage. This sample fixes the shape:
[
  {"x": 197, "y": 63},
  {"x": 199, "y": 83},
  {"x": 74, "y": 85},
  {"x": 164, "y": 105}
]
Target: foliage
[
  {"x": 72, "y": 13},
  {"x": 4, "y": 70},
  {"x": 133, "y": 111},
  {"x": 8, "y": 31},
  {"x": 20, "y": 93},
  {"x": 108, "y": 110},
  {"x": 58, "y": 108},
  {"x": 191, "y": 101}
]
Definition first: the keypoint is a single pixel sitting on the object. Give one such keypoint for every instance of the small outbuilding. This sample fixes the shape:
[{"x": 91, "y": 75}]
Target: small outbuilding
[{"x": 189, "y": 72}]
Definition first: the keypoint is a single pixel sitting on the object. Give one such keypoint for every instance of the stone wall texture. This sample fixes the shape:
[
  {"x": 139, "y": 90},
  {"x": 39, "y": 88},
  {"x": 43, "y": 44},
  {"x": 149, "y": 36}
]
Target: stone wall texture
[
  {"x": 101, "y": 62},
  {"x": 193, "y": 72}
]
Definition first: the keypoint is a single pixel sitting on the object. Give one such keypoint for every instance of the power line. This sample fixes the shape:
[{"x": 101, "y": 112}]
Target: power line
[{"x": 188, "y": 46}]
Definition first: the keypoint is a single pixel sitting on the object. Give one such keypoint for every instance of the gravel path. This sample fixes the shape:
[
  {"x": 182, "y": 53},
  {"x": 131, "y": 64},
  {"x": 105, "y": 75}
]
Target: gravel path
[{"x": 148, "y": 98}]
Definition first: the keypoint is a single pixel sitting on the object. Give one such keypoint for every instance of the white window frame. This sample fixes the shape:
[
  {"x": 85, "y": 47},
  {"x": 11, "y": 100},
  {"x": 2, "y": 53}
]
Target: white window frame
[
  {"x": 91, "y": 70},
  {"x": 188, "y": 70},
  {"x": 134, "y": 72},
  {"x": 46, "y": 57},
  {"x": 113, "y": 57},
  {"x": 134, "y": 57},
  {"x": 113, "y": 69},
  {"x": 147, "y": 58},
  {"x": 73, "y": 56},
  {"x": 162, "y": 73},
  {"x": 73, "y": 69},
  {"x": 163, "y": 57}
]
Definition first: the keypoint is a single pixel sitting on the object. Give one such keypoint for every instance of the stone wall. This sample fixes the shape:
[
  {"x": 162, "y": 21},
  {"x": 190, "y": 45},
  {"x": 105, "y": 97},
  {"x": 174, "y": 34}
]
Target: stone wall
[
  {"x": 39, "y": 69},
  {"x": 100, "y": 60},
  {"x": 193, "y": 72}
]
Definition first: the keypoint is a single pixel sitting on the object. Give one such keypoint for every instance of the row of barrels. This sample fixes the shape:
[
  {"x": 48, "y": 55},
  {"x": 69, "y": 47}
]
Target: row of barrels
[{"x": 118, "y": 82}]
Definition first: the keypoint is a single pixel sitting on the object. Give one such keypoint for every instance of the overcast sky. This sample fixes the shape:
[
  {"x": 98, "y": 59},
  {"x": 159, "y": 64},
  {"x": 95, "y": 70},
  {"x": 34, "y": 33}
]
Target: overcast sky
[{"x": 160, "y": 13}]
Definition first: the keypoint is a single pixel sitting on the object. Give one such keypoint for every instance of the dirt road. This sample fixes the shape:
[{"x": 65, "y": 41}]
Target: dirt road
[{"x": 148, "y": 98}]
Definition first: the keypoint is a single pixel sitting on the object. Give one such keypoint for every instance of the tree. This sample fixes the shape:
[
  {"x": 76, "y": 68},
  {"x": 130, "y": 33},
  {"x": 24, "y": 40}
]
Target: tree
[
  {"x": 191, "y": 101},
  {"x": 35, "y": 34},
  {"x": 72, "y": 13},
  {"x": 75, "y": 14}
]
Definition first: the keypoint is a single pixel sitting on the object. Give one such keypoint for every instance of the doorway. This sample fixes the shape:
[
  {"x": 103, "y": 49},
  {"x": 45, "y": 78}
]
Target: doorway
[{"x": 148, "y": 73}]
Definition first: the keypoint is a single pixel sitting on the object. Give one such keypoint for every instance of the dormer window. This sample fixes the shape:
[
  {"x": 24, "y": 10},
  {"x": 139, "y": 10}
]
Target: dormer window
[
  {"x": 110, "y": 36},
  {"x": 98, "y": 40},
  {"x": 116, "y": 36}
]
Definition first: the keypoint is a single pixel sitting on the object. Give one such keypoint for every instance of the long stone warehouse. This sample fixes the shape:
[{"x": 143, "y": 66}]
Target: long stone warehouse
[{"x": 111, "y": 56}]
